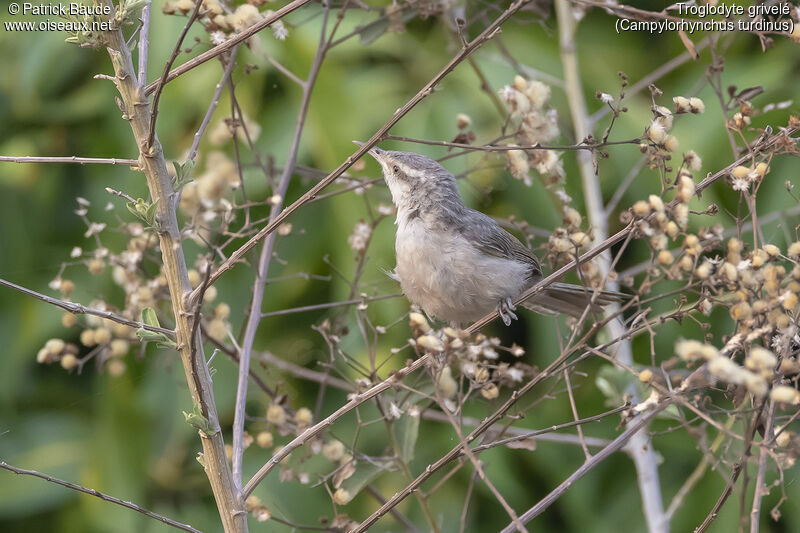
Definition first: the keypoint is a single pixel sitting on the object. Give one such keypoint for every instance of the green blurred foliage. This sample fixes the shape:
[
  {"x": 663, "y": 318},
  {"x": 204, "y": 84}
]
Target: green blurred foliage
[{"x": 126, "y": 436}]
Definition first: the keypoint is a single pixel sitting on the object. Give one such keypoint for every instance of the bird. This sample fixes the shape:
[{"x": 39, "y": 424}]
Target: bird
[{"x": 457, "y": 264}]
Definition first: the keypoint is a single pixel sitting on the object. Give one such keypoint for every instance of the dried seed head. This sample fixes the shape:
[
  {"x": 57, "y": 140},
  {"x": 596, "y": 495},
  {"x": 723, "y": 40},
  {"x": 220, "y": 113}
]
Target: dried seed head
[
  {"x": 665, "y": 258},
  {"x": 333, "y": 450},
  {"x": 430, "y": 343},
  {"x": 264, "y": 439},
  {"x": 276, "y": 414},
  {"x": 341, "y": 497},
  {"x": 418, "y": 321},
  {"x": 490, "y": 391},
  {"x": 785, "y": 394}
]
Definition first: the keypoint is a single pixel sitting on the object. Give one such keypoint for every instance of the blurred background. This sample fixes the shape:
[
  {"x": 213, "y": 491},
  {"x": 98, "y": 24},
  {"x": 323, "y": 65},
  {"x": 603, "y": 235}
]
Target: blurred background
[{"x": 125, "y": 435}]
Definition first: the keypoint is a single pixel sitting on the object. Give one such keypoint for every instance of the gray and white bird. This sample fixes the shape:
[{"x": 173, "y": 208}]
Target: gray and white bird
[{"x": 456, "y": 263}]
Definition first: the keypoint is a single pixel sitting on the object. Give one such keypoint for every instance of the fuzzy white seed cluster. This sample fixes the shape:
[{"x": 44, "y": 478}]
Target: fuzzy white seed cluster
[
  {"x": 526, "y": 101},
  {"x": 477, "y": 359},
  {"x": 218, "y": 22}
]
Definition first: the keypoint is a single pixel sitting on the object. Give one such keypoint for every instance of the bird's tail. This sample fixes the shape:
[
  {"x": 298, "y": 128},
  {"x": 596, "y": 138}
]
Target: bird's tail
[{"x": 564, "y": 298}]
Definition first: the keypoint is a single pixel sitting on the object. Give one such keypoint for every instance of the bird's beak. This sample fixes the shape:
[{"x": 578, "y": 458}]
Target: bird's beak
[{"x": 374, "y": 151}]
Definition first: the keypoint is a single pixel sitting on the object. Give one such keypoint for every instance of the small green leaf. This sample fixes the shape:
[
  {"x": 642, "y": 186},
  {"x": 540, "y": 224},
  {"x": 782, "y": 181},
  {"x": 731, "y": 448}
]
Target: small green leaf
[
  {"x": 364, "y": 474},
  {"x": 198, "y": 421},
  {"x": 183, "y": 174},
  {"x": 150, "y": 318},
  {"x": 407, "y": 433},
  {"x": 144, "y": 211},
  {"x": 159, "y": 339},
  {"x": 372, "y": 31}
]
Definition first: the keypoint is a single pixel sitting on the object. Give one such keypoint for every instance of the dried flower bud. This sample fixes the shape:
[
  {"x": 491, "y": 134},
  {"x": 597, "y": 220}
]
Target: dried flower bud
[
  {"x": 261, "y": 513},
  {"x": 69, "y": 361},
  {"x": 333, "y": 450},
  {"x": 572, "y": 217},
  {"x": 68, "y": 320},
  {"x": 102, "y": 335},
  {"x": 418, "y": 321},
  {"x": 580, "y": 239},
  {"x": 264, "y": 439},
  {"x": 431, "y": 343},
  {"x": 755, "y": 384},
  {"x": 671, "y": 229},
  {"x": 341, "y": 497},
  {"x": 276, "y": 414},
  {"x": 789, "y": 300},
  {"x": 119, "y": 347},
  {"x": 656, "y": 133},
  {"x": 693, "y": 161},
  {"x": 691, "y": 350},
  {"x": 641, "y": 208},
  {"x": 665, "y": 258},
  {"x": 222, "y": 311},
  {"x": 785, "y": 394},
  {"x": 251, "y": 502},
  {"x": 772, "y": 250},
  {"x": 490, "y": 391},
  {"x": 681, "y": 104},
  {"x": 218, "y": 329},
  {"x": 115, "y": 367},
  {"x": 740, "y": 172},
  {"x": 696, "y": 105},
  {"x": 303, "y": 417},
  {"x": 784, "y": 438},
  {"x": 681, "y": 215},
  {"x": 447, "y": 386},
  {"x": 671, "y": 143},
  {"x": 87, "y": 338}
]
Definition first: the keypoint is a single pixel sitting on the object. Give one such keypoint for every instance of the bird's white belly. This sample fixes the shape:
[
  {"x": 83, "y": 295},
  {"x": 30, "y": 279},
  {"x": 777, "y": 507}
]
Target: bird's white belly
[{"x": 449, "y": 278}]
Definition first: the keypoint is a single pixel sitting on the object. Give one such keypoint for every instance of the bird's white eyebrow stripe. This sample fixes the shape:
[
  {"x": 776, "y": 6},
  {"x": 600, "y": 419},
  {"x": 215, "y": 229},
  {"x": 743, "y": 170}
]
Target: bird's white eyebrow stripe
[{"x": 409, "y": 171}]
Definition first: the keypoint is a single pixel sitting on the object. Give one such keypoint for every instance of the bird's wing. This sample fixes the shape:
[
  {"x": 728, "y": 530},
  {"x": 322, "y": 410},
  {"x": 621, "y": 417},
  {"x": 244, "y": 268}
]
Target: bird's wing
[{"x": 493, "y": 240}]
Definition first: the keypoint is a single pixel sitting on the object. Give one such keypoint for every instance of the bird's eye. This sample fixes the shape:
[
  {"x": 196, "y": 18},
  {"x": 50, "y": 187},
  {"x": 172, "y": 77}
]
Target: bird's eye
[{"x": 396, "y": 169}]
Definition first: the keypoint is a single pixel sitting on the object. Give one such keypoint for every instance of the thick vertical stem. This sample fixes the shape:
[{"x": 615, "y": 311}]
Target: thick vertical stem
[
  {"x": 639, "y": 446},
  {"x": 136, "y": 110}
]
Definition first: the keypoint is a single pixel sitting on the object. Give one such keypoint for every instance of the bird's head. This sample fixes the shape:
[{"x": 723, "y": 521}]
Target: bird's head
[{"x": 413, "y": 178}]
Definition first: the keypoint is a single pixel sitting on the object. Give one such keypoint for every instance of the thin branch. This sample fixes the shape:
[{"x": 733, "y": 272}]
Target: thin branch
[
  {"x": 136, "y": 108},
  {"x": 532, "y": 434},
  {"x": 316, "y": 429},
  {"x": 508, "y": 147},
  {"x": 175, "y": 52},
  {"x": 615, "y": 445},
  {"x": 214, "y": 102},
  {"x": 78, "y": 309},
  {"x": 309, "y": 195},
  {"x": 329, "y": 305},
  {"x": 227, "y": 45},
  {"x": 653, "y": 76},
  {"x": 101, "y": 495},
  {"x": 761, "y": 488},
  {"x": 144, "y": 44},
  {"x": 262, "y": 270},
  {"x": 641, "y": 448},
  {"x": 70, "y": 159}
]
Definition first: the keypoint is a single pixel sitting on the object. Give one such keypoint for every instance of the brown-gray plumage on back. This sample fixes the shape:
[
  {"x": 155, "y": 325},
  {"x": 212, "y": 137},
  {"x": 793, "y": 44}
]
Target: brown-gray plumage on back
[{"x": 456, "y": 263}]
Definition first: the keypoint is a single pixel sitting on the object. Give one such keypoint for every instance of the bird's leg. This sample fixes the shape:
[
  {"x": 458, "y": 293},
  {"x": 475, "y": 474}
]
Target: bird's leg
[{"x": 506, "y": 310}]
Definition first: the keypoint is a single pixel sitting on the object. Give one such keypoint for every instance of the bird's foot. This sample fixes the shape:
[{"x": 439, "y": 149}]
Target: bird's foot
[{"x": 506, "y": 310}]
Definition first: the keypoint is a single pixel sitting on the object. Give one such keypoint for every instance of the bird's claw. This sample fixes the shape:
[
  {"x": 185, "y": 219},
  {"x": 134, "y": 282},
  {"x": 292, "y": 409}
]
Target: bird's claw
[{"x": 506, "y": 310}]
